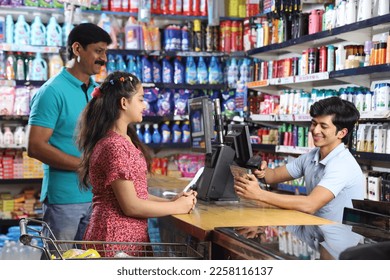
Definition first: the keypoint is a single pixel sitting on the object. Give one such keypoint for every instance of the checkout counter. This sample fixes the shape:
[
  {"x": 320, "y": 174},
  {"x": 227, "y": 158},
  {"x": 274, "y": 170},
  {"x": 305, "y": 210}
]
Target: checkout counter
[{"x": 250, "y": 230}]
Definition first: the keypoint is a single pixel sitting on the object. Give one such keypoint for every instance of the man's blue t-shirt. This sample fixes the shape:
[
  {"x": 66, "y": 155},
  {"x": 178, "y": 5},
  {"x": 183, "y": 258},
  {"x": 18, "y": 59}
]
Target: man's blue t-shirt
[
  {"x": 338, "y": 172},
  {"x": 57, "y": 105}
]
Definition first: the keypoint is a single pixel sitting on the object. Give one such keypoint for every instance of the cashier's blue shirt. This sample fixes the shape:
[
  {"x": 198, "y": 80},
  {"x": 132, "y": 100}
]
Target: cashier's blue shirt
[{"x": 338, "y": 172}]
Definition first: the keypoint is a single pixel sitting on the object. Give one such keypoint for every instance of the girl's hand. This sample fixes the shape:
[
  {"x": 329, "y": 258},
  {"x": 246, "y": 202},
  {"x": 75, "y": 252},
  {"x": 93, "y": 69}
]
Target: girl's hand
[
  {"x": 190, "y": 192},
  {"x": 186, "y": 202}
]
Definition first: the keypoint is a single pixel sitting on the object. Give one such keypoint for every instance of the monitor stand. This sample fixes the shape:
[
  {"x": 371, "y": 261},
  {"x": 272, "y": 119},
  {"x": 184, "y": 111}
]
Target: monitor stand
[{"x": 216, "y": 181}]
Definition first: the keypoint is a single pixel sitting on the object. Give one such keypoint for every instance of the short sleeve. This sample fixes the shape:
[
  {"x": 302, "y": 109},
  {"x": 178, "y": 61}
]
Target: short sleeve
[
  {"x": 296, "y": 167},
  {"x": 45, "y": 108},
  {"x": 116, "y": 162}
]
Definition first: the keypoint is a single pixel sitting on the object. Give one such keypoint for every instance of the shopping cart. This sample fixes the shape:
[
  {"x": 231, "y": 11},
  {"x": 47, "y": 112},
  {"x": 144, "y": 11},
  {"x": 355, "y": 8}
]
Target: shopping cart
[{"x": 54, "y": 249}]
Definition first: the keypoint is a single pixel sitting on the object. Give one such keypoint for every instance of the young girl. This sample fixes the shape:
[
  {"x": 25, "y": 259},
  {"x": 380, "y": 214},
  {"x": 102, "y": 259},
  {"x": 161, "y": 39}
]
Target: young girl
[{"x": 115, "y": 164}]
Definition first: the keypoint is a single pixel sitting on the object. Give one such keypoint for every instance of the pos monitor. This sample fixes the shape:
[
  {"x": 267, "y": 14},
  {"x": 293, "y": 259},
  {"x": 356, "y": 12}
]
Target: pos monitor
[{"x": 216, "y": 181}]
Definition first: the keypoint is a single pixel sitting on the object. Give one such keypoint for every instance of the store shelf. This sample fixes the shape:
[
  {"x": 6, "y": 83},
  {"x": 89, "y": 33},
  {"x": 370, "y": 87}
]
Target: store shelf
[
  {"x": 159, "y": 119},
  {"x": 24, "y": 48},
  {"x": 292, "y": 188},
  {"x": 358, "y": 32},
  {"x": 264, "y": 147},
  {"x": 190, "y": 87},
  {"x": 292, "y": 150},
  {"x": 362, "y": 76},
  {"x": 13, "y": 118},
  {"x": 371, "y": 156},
  {"x": 17, "y": 181},
  {"x": 280, "y": 118},
  {"x": 169, "y": 146},
  {"x": 375, "y": 115}
]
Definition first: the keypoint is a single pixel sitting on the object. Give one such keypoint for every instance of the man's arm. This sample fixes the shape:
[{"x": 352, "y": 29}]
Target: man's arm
[{"x": 38, "y": 147}]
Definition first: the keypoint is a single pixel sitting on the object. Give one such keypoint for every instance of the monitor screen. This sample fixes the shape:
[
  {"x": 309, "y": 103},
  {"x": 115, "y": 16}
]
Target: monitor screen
[
  {"x": 202, "y": 124},
  {"x": 238, "y": 137}
]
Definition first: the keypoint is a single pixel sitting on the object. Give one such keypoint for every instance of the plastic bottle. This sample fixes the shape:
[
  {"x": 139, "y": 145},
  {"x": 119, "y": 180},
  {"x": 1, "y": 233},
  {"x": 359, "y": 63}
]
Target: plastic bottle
[
  {"x": 20, "y": 67},
  {"x": 147, "y": 135},
  {"x": 201, "y": 71},
  {"x": 55, "y": 65},
  {"x": 10, "y": 66},
  {"x": 29, "y": 65},
  {"x": 66, "y": 28},
  {"x": 39, "y": 68},
  {"x": 38, "y": 32},
  {"x": 131, "y": 65},
  {"x": 156, "y": 137},
  {"x": 139, "y": 132},
  {"x": 176, "y": 132},
  {"x": 213, "y": 71},
  {"x": 156, "y": 71},
  {"x": 132, "y": 34},
  {"x": 340, "y": 57},
  {"x": 186, "y": 133},
  {"x": 166, "y": 133},
  {"x": 22, "y": 31},
  {"x": 120, "y": 63},
  {"x": 111, "y": 65},
  {"x": 2, "y": 66},
  {"x": 53, "y": 33},
  {"x": 9, "y": 29},
  {"x": 191, "y": 74},
  {"x": 233, "y": 73},
  {"x": 179, "y": 72},
  {"x": 147, "y": 70},
  {"x": 1, "y": 142},
  {"x": 2, "y": 29},
  {"x": 8, "y": 136},
  {"x": 167, "y": 71}
]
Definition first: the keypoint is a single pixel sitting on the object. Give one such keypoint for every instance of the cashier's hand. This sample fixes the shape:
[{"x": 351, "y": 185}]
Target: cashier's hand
[
  {"x": 247, "y": 187},
  {"x": 186, "y": 201},
  {"x": 260, "y": 173}
]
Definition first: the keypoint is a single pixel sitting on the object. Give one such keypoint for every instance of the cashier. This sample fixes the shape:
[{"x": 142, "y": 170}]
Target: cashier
[{"x": 332, "y": 176}]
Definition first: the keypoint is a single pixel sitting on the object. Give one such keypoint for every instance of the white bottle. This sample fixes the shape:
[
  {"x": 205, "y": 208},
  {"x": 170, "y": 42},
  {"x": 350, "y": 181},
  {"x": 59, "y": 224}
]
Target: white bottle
[
  {"x": 8, "y": 136},
  {"x": 351, "y": 8},
  {"x": 1, "y": 138},
  {"x": 19, "y": 136},
  {"x": 340, "y": 57},
  {"x": 364, "y": 10}
]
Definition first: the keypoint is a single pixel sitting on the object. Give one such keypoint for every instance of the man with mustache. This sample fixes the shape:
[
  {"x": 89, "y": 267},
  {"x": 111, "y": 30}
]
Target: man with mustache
[
  {"x": 332, "y": 176},
  {"x": 55, "y": 109}
]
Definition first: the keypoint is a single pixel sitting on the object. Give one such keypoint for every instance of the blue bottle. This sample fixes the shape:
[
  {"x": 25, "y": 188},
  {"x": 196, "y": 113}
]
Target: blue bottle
[
  {"x": 191, "y": 75},
  {"x": 167, "y": 71},
  {"x": 201, "y": 71},
  {"x": 179, "y": 72},
  {"x": 185, "y": 138},
  {"x": 166, "y": 133},
  {"x": 147, "y": 70},
  {"x": 176, "y": 131},
  {"x": 111, "y": 65},
  {"x": 139, "y": 132},
  {"x": 156, "y": 137},
  {"x": 131, "y": 65},
  {"x": 120, "y": 63},
  {"x": 147, "y": 135},
  {"x": 156, "y": 71}
]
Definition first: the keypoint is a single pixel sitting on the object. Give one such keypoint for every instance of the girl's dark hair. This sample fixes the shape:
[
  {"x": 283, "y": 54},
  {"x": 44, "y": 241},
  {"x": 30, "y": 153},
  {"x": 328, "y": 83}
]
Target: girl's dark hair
[
  {"x": 345, "y": 114},
  {"x": 99, "y": 116}
]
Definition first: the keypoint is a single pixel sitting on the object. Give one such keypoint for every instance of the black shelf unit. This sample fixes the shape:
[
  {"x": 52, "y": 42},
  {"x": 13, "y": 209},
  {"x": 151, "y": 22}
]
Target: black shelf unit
[
  {"x": 264, "y": 147},
  {"x": 319, "y": 38},
  {"x": 371, "y": 156},
  {"x": 169, "y": 146},
  {"x": 20, "y": 181}
]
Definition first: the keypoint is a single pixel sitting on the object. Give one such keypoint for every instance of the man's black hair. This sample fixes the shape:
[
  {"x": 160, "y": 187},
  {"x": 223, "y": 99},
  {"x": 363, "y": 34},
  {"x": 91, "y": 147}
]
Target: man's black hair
[
  {"x": 345, "y": 114},
  {"x": 85, "y": 34}
]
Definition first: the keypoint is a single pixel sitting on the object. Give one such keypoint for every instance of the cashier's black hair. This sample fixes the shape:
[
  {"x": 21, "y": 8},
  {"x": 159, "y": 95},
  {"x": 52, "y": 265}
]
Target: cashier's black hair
[
  {"x": 345, "y": 114},
  {"x": 99, "y": 116},
  {"x": 85, "y": 34}
]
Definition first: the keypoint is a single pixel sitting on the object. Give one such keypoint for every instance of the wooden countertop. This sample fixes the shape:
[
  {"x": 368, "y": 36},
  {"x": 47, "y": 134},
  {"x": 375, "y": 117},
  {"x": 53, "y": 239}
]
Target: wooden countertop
[{"x": 208, "y": 216}]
